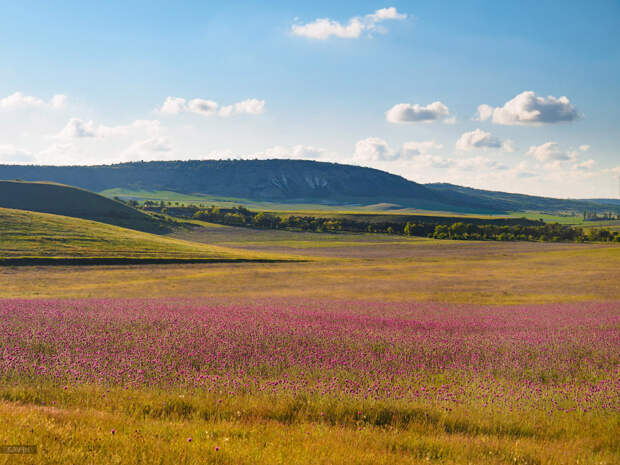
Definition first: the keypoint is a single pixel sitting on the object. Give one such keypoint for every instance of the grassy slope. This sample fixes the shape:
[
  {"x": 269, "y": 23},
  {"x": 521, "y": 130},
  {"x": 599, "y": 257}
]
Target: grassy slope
[
  {"x": 32, "y": 234},
  {"x": 65, "y": 200}
]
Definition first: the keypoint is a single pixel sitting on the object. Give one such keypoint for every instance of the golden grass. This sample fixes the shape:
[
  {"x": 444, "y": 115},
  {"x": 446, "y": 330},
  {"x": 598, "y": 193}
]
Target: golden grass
[
  {"x": 542, "y": 274},
  {"x": 99, "y": 426}
]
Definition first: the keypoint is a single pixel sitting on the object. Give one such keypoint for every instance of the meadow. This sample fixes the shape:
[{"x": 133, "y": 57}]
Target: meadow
[{"x": 371, "y": 350}]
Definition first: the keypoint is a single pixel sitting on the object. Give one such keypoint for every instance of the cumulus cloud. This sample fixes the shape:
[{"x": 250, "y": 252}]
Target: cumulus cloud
[
  {"x": 79, "y": 129},
  {"x": 19, "y": 100},
  {"x": 147, "y": 149},
  {"x": 413, "y": 148},
  {"x": 296, "y": 151},
  {"x": 549, "y": 152},
  {"x": 415, "y": 113},
  {"x": 250, "y": 106},
  {"x": 479, "y": 139},
  {"x": 11, "y": 154},
  {"x": 433, "y": 161},
  {"x": 418, "y": 156},
  {"x": 527, "y": 108},
  {"x": 324, "y": 28},
  {"x": 584, "y": 147},
  {"x": 373, "y": 149},
  {"x": 176, "y": 105},
  {"x": 173, "y": 106},
  {"x": 478, "y": 163},
  {"x": 202, "y": 107}
]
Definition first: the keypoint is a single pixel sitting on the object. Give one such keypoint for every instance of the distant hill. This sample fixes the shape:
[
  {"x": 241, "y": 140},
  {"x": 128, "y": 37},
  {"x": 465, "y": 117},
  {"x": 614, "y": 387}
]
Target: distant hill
[
  {"x": 614, "y": 202},
  {"x": 293, "y": 181},
  {"x": 516, "y": 202},
  {"x": 31, "y": 237},
  {"x": 70, "y": 201}
]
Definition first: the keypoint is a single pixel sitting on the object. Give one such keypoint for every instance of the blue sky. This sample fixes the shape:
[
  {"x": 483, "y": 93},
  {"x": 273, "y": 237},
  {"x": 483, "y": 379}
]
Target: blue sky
[{"x": 393, "y": 85}]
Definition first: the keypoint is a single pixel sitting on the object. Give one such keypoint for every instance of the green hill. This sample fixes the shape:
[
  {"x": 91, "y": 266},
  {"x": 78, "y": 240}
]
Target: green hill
[
  {"x": 32, "y": 237},
  {"x": 65, "y": 200}
]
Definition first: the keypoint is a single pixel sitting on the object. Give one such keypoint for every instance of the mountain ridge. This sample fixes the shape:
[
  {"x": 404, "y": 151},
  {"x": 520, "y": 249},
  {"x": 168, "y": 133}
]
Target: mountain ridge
[{"x": 288, "y": 181}]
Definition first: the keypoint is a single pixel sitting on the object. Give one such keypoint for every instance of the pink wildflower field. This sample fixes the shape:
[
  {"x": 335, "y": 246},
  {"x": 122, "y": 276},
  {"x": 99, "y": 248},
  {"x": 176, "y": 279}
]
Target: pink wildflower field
[{"x": 548, "y": 358}]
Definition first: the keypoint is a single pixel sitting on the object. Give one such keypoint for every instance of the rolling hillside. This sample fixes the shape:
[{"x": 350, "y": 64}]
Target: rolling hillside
[
  {"x": 289, "y": 181},
  {"x": 32, "y": 237},
  {"x": 70, "y": 201}
]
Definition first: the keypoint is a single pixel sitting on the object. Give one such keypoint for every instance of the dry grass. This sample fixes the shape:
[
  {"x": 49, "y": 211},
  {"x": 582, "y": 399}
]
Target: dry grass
[{"x": 490, "y": 273}]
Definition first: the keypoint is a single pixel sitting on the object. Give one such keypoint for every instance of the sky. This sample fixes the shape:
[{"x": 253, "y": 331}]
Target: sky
[{"x": 512, "y": 96}]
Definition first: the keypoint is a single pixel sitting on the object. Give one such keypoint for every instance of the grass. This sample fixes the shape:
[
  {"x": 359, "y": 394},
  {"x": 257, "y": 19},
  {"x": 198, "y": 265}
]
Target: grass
[
  {"x": 511, "y": 416},
  {"x": 449, "y": 271},
  {"x": 153, "y": 424},
  {"x": 76, "y": 427},
  {"x": 71, "y": 201},
  {"x": 32, "y": 235},
  {"x": 550, "y": 217}
]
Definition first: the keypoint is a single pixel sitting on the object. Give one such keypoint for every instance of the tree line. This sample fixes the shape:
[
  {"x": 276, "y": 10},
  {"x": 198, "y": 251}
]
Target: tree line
[{"x": 438, "y": 228}]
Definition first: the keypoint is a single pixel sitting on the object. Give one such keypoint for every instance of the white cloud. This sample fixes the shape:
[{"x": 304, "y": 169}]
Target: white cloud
[
  {"x": 202, "y": 107},
  {"x": 529, "y": 109},
  {"x": 308, "y": 151},
  {"x": 585, "y": 165},
  {"x": 149, "y": 126},
  {"x": 584, "y": 148},
  {"x": 549, "y": 152},
  {"x": 478, "y": 163},
  {"x": 385, "y": 13},
  {"x": 413, "y": 148},
  {"x": 433, "y": 161},
  {"x": 324, "y": 28},
  {"x": 177, "y": 105},
  {"x": 373, "y": 149},
  {"x": 415, "y": 113},
  {"x": 479, "y": 139},
  {"x": 151, "y": 148},
  {"x": 296, "y": 151},
  {"x": 11, "y": 154},
  {"x": 79, "y": 129},
  {"x": 173, "y": 106},
  {"x": 19, "y": 100},
  {"x": 250, "y": 106},
  {"x": 60, "y": 153}
]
